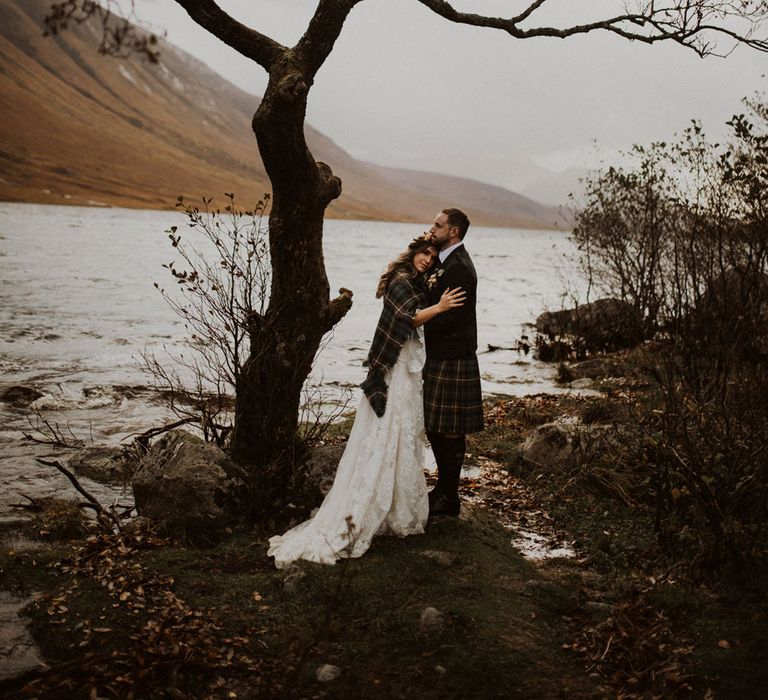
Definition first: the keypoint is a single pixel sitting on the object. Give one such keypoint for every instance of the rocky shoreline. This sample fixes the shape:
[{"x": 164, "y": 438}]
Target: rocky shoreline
[{"x": 597, "y": 600}]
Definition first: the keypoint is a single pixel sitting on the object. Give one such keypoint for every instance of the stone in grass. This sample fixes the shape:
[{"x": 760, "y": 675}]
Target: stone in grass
[
  {"x": 597, "y": 610},
  {"x": 292, "y": 577},
  {"x": 139, "y": 524},
  {"x": 446, "y": 559},
  {"x": 327, "y": 673},
  {"x": 432, "y": 621},
  {"x": 564, "y": 446}
]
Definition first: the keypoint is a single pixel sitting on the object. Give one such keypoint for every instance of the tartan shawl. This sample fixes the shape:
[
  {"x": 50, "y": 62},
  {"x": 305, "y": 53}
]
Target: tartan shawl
[{"x": 404, "y": 296}]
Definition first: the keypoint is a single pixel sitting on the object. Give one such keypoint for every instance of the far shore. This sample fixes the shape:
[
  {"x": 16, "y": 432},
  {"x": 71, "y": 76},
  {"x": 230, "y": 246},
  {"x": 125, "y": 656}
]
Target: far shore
[{"x": 335, "y": 211}]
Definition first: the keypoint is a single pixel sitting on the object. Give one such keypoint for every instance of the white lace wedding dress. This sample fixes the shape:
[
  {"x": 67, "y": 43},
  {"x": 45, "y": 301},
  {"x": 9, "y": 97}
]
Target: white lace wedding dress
[{"x": 379, "y": 483}]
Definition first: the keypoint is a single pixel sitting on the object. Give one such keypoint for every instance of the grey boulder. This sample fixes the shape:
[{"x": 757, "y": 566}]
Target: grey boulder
[
  {"x": 599, "y": 326},
  {"x": 320, "y": 468},
  {"x": 19, "y": 396},
  {"x": 431, "y": 621},
  {"x": 563, "y": 446},
  {"x": 186, "y": 483},
  {"x": 104, "y": 464}
]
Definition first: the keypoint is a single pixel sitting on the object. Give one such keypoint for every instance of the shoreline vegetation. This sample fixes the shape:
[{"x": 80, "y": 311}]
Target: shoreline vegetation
[
  {"x": 456, "y": 613},
  {"x": 656, "y": 480}
]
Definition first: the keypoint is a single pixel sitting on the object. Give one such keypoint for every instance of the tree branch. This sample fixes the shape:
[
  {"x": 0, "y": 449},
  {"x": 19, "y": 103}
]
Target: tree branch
[
  {"x": 101, "y": 510},
  {"x": 686, "y": 22},
  {"x": 120, "y": 35},
  {"x": 338, "y": 308},
  {"x": 526, "y": 13},
  {"x": 244, "y": 40},
  {"x": 51, "y": 433},
  {"x": 322, "y": 32}
]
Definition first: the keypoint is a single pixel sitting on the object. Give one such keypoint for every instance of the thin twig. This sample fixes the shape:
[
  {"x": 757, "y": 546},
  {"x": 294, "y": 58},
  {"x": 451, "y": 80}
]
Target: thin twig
[
  {"x": 153, "y": 432},
  {"x": 52, "y": 434}
]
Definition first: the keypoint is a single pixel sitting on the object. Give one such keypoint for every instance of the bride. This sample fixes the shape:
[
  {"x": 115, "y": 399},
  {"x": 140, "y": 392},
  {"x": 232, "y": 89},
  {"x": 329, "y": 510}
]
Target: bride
[{"x": 379, "y": 485}]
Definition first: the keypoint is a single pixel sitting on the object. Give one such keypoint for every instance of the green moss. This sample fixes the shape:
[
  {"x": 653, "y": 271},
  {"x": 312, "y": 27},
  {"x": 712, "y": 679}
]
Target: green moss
[
  {"x": 29, "y": 570},
  {"x": 740, "y": 668},
  {"x": 363, "y": 615},
  {"x": 62, "y": 635}
]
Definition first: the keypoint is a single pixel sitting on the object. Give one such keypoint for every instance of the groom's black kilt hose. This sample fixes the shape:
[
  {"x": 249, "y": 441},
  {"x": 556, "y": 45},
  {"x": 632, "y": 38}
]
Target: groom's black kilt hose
[{"x": 453, "y": 400}]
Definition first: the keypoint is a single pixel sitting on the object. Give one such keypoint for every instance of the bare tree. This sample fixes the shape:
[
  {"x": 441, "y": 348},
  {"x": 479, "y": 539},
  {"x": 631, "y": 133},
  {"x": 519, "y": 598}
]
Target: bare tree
[
  {"x": 221, "y": 279},
  {"x": 284, "y": 339},
  {"x": 620, "y": 231}
]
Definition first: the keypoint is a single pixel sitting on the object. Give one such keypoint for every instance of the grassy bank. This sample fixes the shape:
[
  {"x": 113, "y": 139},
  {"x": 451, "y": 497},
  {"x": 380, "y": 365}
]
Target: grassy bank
[
  {"x": 160, "y": 620},
  {"x": 664, "y": 624},
  {"x": 141, "y": 616}
]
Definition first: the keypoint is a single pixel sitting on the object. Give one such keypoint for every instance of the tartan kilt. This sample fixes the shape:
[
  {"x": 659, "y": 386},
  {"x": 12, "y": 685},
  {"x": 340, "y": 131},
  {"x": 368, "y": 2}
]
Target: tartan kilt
[{"x": 453, "y": 400}]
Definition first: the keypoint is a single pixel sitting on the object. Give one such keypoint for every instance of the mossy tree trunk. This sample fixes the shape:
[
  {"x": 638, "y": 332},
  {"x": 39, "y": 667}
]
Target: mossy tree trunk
[{"x": 285, "y": 339}]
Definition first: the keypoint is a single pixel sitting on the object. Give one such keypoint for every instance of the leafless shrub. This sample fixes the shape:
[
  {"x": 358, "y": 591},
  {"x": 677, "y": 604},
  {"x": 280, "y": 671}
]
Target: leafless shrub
[
  {"x": 684, "y": 238},
  {"x": 48, "y": 432},
  {"x": 318, "y": 411},
  {"x": 219, "y": 285}
]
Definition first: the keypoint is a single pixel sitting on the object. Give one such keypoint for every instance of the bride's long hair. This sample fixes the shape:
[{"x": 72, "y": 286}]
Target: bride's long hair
[{"x": 402, "y": 263}]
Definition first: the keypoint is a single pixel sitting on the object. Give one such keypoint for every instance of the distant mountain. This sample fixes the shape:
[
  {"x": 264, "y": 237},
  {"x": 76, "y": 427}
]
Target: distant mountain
[
  {"x": 86, "y": 129},
  {"x": 555, "y": 189}
]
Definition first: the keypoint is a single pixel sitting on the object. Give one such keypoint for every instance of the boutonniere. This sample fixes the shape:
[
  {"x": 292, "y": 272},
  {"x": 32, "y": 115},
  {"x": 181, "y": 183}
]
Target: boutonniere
[{"x": 434, "y": 277}]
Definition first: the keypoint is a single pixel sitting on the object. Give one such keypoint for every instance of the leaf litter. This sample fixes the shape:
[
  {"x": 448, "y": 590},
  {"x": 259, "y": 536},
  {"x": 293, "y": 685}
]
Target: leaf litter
[{"x": 170, "y": 642}]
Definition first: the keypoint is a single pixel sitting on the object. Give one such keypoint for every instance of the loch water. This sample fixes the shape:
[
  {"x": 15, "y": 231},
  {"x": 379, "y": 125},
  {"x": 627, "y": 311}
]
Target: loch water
[{"x": 78, "y": 304}]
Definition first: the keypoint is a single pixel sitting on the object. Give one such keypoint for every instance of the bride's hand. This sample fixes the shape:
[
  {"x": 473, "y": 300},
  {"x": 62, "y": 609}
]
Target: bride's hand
[{"x": 451, "y": 299}]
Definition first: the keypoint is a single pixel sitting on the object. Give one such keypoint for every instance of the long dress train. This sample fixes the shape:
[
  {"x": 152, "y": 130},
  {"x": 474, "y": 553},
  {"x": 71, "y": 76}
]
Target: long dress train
[{"x": 379, "y": 486}]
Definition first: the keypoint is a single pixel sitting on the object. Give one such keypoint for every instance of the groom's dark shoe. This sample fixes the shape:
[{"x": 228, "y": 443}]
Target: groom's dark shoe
[{"x": 443, "y": 505}]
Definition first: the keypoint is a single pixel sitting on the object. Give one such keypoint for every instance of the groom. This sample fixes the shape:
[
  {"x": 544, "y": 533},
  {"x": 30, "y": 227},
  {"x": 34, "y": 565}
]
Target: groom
[{"x": 453, "y": 403}]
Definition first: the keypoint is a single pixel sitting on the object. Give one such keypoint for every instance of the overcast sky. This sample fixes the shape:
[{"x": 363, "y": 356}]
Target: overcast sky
[{"x": 406, "y": 88}]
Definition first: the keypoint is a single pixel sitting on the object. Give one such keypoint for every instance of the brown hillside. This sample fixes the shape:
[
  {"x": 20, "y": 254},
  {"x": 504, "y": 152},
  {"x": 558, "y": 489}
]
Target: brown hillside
[{"x": 82, "y": 128}]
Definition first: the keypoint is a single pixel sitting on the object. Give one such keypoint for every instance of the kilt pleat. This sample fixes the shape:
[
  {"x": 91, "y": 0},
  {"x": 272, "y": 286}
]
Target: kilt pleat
[{"x": 453, "y": 400}]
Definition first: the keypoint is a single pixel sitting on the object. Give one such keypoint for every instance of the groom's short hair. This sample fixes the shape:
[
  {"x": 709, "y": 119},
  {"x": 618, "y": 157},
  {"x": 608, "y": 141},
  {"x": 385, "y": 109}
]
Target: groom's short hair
[{"x": 459, "y": 219}]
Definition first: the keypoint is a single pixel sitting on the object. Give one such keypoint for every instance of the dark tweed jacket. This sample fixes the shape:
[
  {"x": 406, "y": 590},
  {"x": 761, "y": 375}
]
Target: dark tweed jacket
[
  {"x": 404, "y": 296},
  {"x": 453, "y": 335}
]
